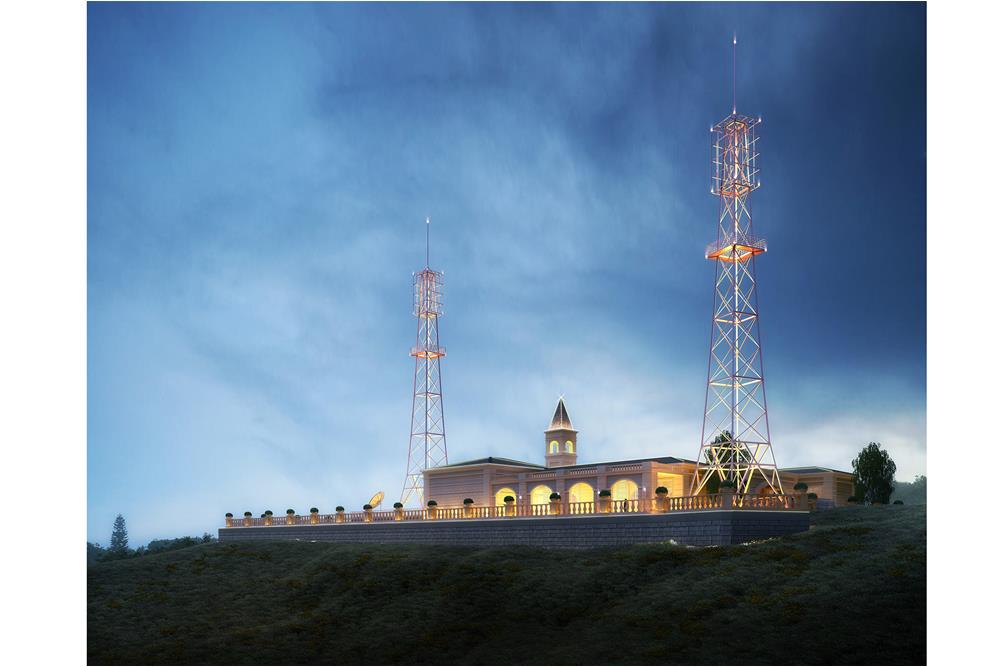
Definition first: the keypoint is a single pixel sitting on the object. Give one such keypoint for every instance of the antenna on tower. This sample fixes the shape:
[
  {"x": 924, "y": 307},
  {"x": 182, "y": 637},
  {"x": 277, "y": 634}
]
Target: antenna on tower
[
  {"x": 428, "y": 265},
  {"x": 734, "y": 73}
]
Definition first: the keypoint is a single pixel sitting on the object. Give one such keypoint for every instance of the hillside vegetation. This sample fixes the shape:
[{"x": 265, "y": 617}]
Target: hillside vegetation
[{"x": 852, "y": 591}]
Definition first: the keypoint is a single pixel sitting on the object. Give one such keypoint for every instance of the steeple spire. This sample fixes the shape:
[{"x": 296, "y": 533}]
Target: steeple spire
[{"x": 560, "y": 420}]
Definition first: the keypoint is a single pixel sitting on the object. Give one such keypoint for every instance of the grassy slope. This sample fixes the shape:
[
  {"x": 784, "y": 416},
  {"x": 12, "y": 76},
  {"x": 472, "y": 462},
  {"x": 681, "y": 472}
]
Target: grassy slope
[{"x": 851, "y": 590}]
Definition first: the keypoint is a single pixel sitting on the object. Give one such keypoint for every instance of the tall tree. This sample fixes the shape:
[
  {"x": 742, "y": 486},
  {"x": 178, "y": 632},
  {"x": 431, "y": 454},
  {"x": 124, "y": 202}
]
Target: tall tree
[
  {"x": 874, "y": 474},
  {"x": 119, "y": 536}
]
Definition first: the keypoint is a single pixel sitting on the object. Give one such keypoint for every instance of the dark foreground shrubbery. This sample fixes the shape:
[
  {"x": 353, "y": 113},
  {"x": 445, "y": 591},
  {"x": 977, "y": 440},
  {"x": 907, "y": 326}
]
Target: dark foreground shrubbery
[{"x": 850, "y": 591}]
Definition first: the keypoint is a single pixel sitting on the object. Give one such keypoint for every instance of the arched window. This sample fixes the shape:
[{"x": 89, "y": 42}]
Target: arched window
[
  {"x": 624, "y": 489},
  {"x": 505, "y": 492},
  {"x": 581, "y": 492},
  {"x": 540, "y": 495},
  {"x": 553, "y": 447},
  {"x": 569, "y": 446}
]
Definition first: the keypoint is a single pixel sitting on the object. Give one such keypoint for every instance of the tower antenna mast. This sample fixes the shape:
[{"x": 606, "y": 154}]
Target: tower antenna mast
[
  {"x": 428, "y": 447},
  {"x": 736, "y": 435}
]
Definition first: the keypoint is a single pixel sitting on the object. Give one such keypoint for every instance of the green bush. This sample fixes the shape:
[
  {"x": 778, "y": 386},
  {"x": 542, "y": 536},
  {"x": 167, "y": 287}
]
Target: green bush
[
  {"x": 662, "y": 491},
  {"x": 467, "y": 501},
  {"x": 229, "y": 515},
  {"x": 801, "y": 486},
  {"x": 314, "y": 510},
  {"x": 604, "y": 493},
  {"x": 508, "y": 499},
  {"x": 432, "y": 503},
  {"x": 267, "y": 513},
  {"x": 248, "y": 514},
  {"x": 289, "y": 511},
  {"x": 367, "y": 507},
  {"x": 340, "y": 508},
  {"x": 555, "y": 496},
  {"x": 897, "y": 502},
  {"x": 811, "y": 496},
  {"x": 397, "y": 505}
]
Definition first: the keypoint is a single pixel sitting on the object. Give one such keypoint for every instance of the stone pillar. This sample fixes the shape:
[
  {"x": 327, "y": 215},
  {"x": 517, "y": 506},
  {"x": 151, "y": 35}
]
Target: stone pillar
[
  {"x": 602, "y": 478},
  {"x": 560, "y": 482}
]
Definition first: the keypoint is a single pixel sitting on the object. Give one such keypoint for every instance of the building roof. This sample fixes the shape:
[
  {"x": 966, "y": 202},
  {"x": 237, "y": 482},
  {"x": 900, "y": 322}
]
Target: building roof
[
  {"x": 810, "y": 470},
  {"x": 560, "y": 420},
  {"x": 523, "y": 464},
  {"x": 493, "y": 459}
]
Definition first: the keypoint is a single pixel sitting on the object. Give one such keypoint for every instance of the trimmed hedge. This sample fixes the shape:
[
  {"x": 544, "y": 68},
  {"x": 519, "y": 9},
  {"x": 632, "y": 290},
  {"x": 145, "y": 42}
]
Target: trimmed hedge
[
  {"x": 397, "y": 505},
  {"x": 662, "y": 490},
  {"x": 314, "y": 510},
  {"x": 289, "y": 511},
  {"x": 508, "y": 499},
  {"x": 555, "y": 496},
  {"x": 604, "y": 493},
  {"x": 340, "y": 508},
  {"x": 467, "y": 501},
  {"x": 432, "y": 503},
  {"x": 801, "y": 486},
  {"x": 268, "y": 512},
  {"x": 248, "y": 514},
  {"x": 366, "y": 507},
  {"x": 229, "y": 515},
  {"x": 811, "y": 496}
]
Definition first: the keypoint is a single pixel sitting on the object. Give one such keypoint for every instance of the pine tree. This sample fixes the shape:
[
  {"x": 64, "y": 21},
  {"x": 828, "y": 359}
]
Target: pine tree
[{"x": 119, "y": 536}]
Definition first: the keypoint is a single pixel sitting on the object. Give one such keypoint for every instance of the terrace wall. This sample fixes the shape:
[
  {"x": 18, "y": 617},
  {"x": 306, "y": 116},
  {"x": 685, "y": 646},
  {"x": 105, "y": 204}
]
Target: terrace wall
[{"x": 701, "y": 528}]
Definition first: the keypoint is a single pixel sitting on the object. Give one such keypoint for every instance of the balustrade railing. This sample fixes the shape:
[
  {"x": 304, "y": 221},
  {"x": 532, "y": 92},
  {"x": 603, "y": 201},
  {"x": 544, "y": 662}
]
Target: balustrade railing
[{"x": 720, "y": 501}]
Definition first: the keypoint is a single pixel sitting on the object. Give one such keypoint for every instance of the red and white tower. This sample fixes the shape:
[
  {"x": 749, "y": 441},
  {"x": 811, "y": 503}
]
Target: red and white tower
[
  {"x": 428, "y": 448},
  {"x": 736, "y": 436}
]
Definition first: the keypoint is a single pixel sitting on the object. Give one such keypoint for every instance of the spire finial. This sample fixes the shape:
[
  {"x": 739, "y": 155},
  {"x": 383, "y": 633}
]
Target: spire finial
[
  {"x": 428, "y": 242},
  {"x": 734, "y": 73}
]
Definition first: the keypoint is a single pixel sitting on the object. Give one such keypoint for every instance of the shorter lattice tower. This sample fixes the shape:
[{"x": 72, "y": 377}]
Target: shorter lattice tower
[
  {"x": 428, "y": 448},
  {"x": 736, "y": 435}
]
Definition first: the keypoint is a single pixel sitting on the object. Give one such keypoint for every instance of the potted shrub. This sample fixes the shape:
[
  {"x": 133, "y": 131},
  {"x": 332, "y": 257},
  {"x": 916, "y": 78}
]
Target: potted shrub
[
  {"x": 229, "y": 519},
  {"x": 369, "y": 515},
  {"x": 340, "y": 514},
  {"x": 289, "y": 516},
  {"x": 432, "y": 509},
  {"x": 555, "y": 503},
  {"x": 661, "y": 498},
  {"x": 508, "y": 506},
  {"x": 801, "y": 487},
  {"x": 247, "y": 518},
  {"x": 467, "y": 504},
  {"x": 314, "y": 515},
  {"x": 267, "y": 517},
  {"x": 397, "y": 509},
  {"x": 812, "y": 500},
  {"x": 604, "y": 500}
]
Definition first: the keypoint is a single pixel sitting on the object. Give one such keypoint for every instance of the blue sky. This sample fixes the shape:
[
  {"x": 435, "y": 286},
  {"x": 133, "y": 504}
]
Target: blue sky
[{"x": 258, "y": 176}]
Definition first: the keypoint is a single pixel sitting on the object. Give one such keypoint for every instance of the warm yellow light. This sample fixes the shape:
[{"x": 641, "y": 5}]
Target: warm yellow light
[
  {"x": 540, "y": 495},
  {"x": 569, "y": 446},
  {"x": 553, "y": 447}
]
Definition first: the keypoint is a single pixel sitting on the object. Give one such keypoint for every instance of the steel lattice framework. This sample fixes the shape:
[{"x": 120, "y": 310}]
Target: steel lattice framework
[
  {"x": 428, "y": 447},
  {"x": 736, "y": 436}
]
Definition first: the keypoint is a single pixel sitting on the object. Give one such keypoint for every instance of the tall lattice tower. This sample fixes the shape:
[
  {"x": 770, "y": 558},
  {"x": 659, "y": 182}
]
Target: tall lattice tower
[
  {"x": 427, "y": 442},
  {"x": 736, "y": 436}
]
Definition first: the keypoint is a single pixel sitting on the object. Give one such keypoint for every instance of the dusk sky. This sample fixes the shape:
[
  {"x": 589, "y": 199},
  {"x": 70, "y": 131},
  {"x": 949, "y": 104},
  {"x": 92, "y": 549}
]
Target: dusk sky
[{"x": 258, "y": 179}]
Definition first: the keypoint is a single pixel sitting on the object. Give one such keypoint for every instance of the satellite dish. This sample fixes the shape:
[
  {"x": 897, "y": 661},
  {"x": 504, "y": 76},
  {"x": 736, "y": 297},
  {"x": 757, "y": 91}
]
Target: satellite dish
[{"x": 377, "y": 499}]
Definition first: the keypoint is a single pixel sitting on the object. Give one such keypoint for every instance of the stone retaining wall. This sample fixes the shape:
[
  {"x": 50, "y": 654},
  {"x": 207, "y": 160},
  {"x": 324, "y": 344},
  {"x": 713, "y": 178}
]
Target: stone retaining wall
[{"x": 702, "y": 528}]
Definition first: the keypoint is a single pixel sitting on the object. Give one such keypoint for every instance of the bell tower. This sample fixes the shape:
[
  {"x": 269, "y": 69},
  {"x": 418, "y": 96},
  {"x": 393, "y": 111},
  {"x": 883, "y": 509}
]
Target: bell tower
[{"x": 560, "y": 439}]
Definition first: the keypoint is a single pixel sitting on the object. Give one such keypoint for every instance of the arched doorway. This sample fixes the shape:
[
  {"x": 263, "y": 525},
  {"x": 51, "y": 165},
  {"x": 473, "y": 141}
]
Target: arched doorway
[
  {"x": 502, "y": 493},
  {"x": 540, "y": 495},
  {"x": 581, "y": 492},
  {"x": 624, "y": 489}
]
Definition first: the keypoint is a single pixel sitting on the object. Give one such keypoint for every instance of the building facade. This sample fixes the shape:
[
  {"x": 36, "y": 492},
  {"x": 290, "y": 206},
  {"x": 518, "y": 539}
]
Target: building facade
[{"x": 488, "y": 481}]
